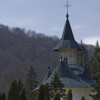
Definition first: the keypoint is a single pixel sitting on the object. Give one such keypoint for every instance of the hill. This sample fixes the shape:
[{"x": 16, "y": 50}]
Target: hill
[{"x": 20, "y": 48}]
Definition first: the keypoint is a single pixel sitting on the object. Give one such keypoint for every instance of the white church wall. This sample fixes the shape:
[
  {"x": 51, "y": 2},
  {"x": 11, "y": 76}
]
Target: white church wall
[
  {"x": 79, "y": 92},
  {"x": 70, "y": 54}
]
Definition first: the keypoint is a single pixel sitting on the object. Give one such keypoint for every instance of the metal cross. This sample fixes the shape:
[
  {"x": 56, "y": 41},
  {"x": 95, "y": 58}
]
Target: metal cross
[{"x": 67, "y": 6}]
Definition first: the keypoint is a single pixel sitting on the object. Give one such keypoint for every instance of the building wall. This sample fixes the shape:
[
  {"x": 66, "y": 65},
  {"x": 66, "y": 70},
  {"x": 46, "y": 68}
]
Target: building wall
[
  {"x": 70, "y": 54},
  {"x": 79, "y": 92}
]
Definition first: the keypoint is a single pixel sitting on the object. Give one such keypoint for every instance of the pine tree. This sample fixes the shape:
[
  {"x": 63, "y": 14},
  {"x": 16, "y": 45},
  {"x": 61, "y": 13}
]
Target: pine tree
[
  {"x": 56, "y": 85},
  {"x": 56, "y": 96},
  {"x": 0, "y": 96},
  {"x": 69, "y": 95},
  {"x": 82, "y": 55},
  {"x": 95, "y": 61},
  {"x": 95, "y": 71},
  {"x": 22, "y": 95},
  {"x": 13, "y": 91},
  {"x": 47, "y": 94},
  {"x": 20, "y": 85},
  {"x": 3, "y": 96},
  {"x": 31, "y": 82},
  {"x": 41, "y": 94},
  {"x": 83, "y": 98}
]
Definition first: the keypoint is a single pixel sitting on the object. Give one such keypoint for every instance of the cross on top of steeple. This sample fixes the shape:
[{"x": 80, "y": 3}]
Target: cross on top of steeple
[{"x": 67, "y": 6}]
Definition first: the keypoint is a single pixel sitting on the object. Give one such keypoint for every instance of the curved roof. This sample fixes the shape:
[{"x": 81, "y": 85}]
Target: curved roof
[
  {"x": 67, "y": 76},
  {"x": 83, "y": 74},
  {"x": 67, "y": 40}
]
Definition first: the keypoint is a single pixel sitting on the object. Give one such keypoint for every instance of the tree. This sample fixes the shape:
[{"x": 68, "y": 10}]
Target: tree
[
  {"x": 69, "y": 95},
  {"x": 41, "y": 95},
  {"x": 31, "y": 82},
  {"x": 22, "y": 95},
  {"x": 82, "y": 55},
  {"x": 95, "y": 71},
  {"x": 56, "y": 85},
  {"x": 3, "y": 96},
  {"x": 14, "y": 90},
  {"x": 83, "y": 98},
  {"x": 47, "y": 94},
  {"x": 95, "y": 61},
  {"x": 56, "y": 96},
  {"x": 0, "y": 96},
  {"x": 43, "y": 92}
]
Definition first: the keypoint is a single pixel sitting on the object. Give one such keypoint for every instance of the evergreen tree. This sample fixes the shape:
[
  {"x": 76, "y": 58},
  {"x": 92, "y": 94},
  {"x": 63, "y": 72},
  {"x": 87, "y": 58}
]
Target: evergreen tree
[
  {"x": 47, "y": 94},
  {"x": 20, "y": 85},
  {"x": 95, "y": 71},
  {"x": 82, "y": 55},
  {"x": 0, "y": 97},
  {"x": 41, "y": 95},
  {"x": 69, "y": 95},
  {"x": 13, "y": 91},
  {"x": 56, "y": 96},
  {"x": 95, "y": 61},
  {"x": 43, "y": 92},
  {"x": 22, "y": 95},
  {"x": 83, "y": 98},
  {"x": 31, "y": 82},
  {"x": 56, "y": 85},
  {"x": 3, "y": 96}
]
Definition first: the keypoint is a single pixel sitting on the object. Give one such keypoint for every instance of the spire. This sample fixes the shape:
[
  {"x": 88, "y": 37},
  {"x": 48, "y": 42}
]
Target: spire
[
  {"x": 67, "y": 32},
  {"x": 67, "y": 15},
  {"x": 67, "y": 40}
]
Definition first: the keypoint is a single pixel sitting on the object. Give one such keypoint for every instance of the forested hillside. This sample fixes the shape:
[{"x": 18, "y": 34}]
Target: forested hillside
[{"x": 20, "y": 48}]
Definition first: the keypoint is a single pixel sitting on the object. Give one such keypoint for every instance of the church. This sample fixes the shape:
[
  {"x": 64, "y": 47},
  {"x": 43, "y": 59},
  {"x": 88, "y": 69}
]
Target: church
[{"x": 74, "y": 76}]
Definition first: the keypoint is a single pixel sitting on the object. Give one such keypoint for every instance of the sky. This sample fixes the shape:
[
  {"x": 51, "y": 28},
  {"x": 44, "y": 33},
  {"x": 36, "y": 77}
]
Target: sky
[{"x": 49, "y": 16}]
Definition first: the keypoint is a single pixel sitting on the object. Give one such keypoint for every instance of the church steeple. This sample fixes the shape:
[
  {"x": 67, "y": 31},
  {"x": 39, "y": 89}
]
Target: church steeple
[
  {"x": 67, "y": 32},
  {"x": 67, "y": 40}
]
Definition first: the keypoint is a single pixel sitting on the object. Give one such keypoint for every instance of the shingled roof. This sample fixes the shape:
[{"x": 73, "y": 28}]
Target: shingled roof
[
  {"x": 67, "y": 76},
  {"x": 67, "y": 40}
]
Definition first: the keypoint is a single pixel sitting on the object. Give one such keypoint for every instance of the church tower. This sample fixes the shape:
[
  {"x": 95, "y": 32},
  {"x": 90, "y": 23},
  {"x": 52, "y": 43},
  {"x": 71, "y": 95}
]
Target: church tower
[
  {"x": 70, "y": 73},
  {"x": 68, "y": 47}
]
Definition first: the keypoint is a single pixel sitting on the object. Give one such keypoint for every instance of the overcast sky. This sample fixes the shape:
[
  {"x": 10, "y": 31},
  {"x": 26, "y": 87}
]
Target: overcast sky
[{"x": 48, "y": 16}]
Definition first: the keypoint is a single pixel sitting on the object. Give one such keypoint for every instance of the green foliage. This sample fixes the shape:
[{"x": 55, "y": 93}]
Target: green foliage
[
  {"x": 0, "y": 97},
  {"x": 82, "y": 55},
  {"x": 95, "y": 61},
  {"x": 47, "y": 95},
  {"x": 22, "y": 95},
  {"x": 20, "y": 47},
  {"x": 69, "y": 95},
  {"x": 83, "y": 98},
  {"x": 43, "y": 93},
  {"x": 3, "y": 96},
  {"x": 14, "y": 90},
  {"x": 95, "y": 71},
  {"x": 56, "y": 96},
  {"x": 56, "y": 85},
  {"x": 31, "y": 82}
]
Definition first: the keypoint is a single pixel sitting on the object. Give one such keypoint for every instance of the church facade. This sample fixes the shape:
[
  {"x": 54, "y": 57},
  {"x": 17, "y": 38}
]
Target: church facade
[{"x": 72, "y": 75}]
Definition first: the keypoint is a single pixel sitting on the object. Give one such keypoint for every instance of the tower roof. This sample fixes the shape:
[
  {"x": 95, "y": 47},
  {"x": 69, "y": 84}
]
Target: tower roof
[
  {"x": 67, "y": 40},
  {"x": 47, "y": 74}
]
